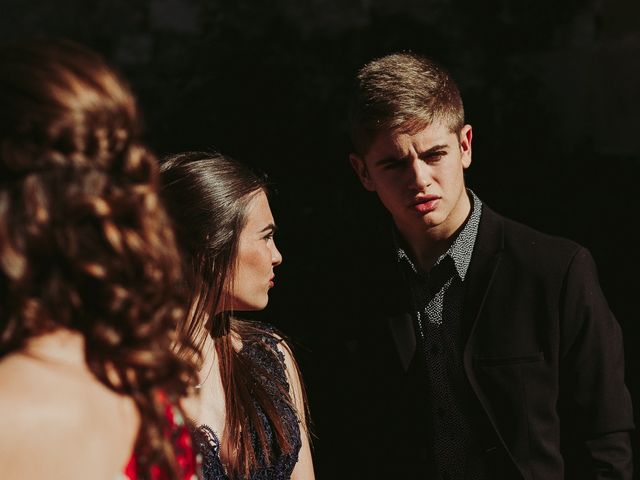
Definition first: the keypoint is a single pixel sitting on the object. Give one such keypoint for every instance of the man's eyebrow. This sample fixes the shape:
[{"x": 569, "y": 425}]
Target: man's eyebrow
[
  {"x": 433, "y": 149},
  {"x": 389, "y": 159},
  {"x": 429, "y": 151},
  {"x": 272, "y": 227}
]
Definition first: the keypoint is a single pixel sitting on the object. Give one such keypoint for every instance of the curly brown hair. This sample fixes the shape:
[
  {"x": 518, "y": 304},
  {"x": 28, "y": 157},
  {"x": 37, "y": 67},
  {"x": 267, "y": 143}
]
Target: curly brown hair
[{"x": 84, "y": 241}]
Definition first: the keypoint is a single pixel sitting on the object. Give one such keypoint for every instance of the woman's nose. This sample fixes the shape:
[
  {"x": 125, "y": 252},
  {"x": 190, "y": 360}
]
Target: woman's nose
[{"x": 276, "y": 257}]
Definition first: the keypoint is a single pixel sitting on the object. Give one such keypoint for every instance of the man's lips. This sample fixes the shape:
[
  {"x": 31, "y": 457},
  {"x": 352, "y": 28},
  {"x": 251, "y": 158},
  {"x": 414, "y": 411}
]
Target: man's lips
[
  {"x": 271, "y": 282},
  {"x": 425, "y": 204}
]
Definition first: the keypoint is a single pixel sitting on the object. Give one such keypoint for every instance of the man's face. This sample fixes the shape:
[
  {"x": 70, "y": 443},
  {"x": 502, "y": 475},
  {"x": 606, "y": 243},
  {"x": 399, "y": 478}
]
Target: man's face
[{"x": 419, "y": 178}]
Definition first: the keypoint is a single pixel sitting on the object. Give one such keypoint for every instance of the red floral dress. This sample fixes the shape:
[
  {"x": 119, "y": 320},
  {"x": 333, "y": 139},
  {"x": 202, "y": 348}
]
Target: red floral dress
[{"x": 178, "y": 433}]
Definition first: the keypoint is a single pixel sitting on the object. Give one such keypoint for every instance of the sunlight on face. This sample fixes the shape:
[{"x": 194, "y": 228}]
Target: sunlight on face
[
  {"x": 257, "y": 257},
  {"x": 419, "y": 177}
]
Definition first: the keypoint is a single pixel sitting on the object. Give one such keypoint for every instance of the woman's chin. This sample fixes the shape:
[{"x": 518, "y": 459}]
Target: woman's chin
[{"x": 252, "y": 306}]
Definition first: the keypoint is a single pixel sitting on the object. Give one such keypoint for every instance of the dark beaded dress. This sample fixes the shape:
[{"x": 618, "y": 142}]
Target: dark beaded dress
[{"x": 264, "y": 353}]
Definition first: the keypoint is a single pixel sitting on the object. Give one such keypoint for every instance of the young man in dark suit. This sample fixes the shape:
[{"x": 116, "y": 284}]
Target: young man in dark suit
[{"x": 487, "y": 348}]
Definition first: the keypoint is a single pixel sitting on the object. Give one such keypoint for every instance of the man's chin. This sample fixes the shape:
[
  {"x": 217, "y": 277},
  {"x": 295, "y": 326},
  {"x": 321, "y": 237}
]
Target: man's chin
[{"x": 416, "y": 223}]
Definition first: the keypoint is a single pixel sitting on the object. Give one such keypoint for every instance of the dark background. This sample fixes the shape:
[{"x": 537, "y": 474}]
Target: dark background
[{"x": 552, "y": 89}]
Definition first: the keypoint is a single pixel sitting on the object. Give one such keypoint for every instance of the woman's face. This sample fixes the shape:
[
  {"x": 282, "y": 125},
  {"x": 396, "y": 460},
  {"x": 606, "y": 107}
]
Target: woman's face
[{"x": 257, "y": 256}]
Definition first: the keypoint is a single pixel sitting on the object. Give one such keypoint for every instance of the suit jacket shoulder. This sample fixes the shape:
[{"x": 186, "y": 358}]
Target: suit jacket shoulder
[{"x": 527, "y": 244}]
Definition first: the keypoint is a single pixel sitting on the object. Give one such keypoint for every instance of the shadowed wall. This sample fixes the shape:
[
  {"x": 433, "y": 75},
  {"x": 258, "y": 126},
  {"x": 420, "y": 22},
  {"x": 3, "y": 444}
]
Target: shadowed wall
[{"x": 551, "y": 88}]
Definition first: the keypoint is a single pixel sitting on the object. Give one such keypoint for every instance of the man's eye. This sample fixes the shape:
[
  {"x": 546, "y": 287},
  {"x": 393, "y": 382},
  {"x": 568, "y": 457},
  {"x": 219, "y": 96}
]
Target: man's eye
[
  {"x": 268, "y": 236},
  {"x": 434, "y": 157},
  {"x": 392, "y": 165}
]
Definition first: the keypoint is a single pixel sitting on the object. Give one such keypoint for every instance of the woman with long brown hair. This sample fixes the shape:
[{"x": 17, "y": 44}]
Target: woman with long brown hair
[
  {"x": 252, "y": 412},
  {"x": 89, "y": 277}
]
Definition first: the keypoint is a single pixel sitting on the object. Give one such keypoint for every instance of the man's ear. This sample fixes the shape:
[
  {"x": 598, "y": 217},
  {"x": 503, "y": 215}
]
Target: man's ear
[
  {"x": 466, "y": 135},
  {"x": 359, "y": 165}
]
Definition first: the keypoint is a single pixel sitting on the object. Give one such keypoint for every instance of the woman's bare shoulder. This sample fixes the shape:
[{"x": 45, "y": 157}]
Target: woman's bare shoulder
[{"x": 61, "y": 423}]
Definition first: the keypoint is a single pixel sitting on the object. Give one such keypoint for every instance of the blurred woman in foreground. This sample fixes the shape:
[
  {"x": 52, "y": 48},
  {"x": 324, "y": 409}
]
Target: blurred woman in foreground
[{"x": 88, "y": 277}]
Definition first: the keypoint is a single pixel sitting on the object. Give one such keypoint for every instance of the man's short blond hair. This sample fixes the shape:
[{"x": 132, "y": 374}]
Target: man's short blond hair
[{"x": 402, "y": 92}]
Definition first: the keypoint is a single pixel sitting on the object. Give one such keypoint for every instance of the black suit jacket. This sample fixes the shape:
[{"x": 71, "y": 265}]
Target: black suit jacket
[{"x": 542, "y": 355}]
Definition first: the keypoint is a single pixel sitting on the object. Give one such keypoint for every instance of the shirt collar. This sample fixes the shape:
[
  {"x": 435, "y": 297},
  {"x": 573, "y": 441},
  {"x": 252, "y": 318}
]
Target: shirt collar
[{"x": 460, "y": 250}]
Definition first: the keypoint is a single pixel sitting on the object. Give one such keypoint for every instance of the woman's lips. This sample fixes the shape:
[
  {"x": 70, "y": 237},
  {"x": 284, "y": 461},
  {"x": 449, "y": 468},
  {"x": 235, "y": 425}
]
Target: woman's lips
[
  {"x": 271, "y": 282},
  {"x": 425, "y": 204}
]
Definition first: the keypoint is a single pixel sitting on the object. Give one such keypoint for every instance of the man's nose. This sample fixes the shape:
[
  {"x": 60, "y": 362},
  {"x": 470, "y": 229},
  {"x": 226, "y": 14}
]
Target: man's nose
[{"x": 420, "y": 177}]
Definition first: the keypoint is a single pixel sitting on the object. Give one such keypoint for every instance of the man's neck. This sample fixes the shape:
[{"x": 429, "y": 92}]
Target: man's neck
[
  {"x": 427, "y": 250},
  {"x": 427, "y": 245}
]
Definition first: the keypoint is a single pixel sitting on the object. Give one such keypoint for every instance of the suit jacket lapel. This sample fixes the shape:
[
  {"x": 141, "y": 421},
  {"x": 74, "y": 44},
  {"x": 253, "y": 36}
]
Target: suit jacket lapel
[
  {"x": 396, "y": 308},
  {"x": 482, "y": 270},
  {"x": 404, "y": 337},
  {"x": 484, "y": 261}
]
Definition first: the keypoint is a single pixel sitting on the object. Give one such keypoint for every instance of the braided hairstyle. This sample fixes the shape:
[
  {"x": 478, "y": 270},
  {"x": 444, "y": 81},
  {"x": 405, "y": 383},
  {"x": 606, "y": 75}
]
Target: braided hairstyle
[{"x": 85, "y": 244}]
